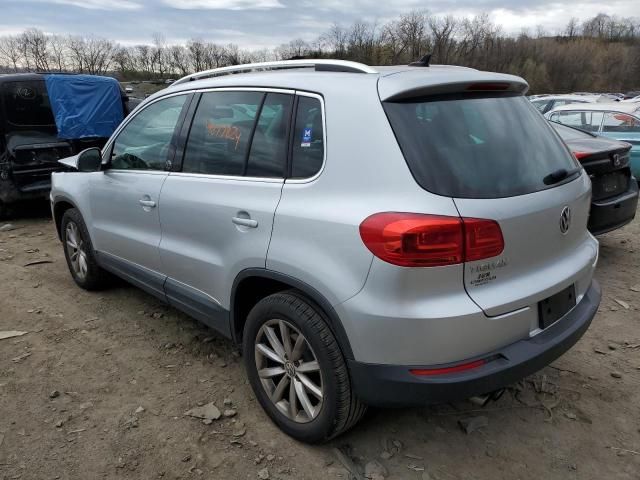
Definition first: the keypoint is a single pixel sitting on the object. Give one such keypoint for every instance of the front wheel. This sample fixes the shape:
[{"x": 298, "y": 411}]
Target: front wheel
[
  {"x": 297, "y": 370},
  {"x": 79, "y": 253}
]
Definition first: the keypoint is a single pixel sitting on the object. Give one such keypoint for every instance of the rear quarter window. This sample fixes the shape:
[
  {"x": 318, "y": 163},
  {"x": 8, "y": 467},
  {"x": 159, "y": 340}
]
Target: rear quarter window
[
  {"x": 308, "y": 139},
  {"x": 477, "y": 147}
]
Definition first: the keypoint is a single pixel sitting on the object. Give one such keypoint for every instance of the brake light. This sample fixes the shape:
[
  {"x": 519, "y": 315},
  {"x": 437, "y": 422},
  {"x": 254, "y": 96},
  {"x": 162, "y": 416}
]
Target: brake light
[
  {"x": 580, "y": 155},
  {"x": 418, "y": 240},
  {"x": 491, "y": 87},
  {"x": 445, "y": 370}
]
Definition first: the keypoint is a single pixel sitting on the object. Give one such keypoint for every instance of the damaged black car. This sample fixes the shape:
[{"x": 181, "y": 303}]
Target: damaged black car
[{"x": 46, "y": 117}]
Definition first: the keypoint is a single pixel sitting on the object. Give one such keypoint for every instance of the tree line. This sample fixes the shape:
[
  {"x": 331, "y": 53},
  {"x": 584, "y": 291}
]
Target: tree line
[{"x": 599, "y": 54}]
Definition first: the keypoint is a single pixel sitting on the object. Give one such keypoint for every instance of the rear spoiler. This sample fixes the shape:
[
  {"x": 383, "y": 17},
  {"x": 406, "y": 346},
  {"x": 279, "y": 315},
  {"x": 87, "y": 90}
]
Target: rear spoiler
[{"x": 412, "y": 84}]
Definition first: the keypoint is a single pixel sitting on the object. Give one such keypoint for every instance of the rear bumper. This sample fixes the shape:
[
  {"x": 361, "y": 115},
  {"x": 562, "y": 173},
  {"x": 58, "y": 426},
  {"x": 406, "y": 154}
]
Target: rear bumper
[
  {"x": 395, "y": 386},
  {"x": 613, "y": 213}
]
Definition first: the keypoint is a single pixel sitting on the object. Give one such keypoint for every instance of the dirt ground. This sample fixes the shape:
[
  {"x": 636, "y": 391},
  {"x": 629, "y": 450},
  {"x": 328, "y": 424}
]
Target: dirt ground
[{"x": 126, "y": 369}]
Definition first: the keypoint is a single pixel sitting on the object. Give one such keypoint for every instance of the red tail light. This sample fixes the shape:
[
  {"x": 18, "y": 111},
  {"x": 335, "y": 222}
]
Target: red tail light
[
  {"x": 580, "y": 155},
  {"x": 482, "y": 239},
  {"x": 417, "y": 240}
]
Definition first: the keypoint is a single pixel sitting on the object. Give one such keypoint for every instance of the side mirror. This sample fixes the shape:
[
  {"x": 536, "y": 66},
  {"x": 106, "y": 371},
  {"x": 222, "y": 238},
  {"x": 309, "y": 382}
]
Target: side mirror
[{"x": 89, "y": 160}]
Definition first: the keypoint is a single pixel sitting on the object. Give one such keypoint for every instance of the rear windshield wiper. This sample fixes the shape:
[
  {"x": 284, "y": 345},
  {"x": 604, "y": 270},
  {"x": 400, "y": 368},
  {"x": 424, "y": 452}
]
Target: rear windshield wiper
[{"x": 559, "y": 175}]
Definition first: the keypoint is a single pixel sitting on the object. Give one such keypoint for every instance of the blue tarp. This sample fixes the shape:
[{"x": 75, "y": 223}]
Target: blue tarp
[{"x": 84, "y": 105}]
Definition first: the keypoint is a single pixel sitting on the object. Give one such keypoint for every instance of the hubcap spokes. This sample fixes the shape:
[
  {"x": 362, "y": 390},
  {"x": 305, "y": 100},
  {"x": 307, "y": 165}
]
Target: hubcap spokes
[
  {"x": 75, "y": 249},
  {"x": 289, "y": 371}
]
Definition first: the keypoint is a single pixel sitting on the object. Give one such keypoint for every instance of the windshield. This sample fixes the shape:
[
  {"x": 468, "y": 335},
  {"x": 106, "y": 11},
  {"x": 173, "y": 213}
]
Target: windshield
[
  {"x": 26, "y": 103},
  {"x": 477, "y": 147}
]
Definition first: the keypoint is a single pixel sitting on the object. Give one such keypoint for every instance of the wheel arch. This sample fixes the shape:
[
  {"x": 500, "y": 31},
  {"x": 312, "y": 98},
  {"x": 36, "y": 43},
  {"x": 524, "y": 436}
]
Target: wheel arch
[
  {"x": 60, "y": 205},
  {"x": 253, "y": 284}
]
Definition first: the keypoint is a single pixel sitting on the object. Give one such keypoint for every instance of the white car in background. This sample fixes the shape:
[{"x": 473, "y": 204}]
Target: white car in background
[{"x": 546, "y": 103}]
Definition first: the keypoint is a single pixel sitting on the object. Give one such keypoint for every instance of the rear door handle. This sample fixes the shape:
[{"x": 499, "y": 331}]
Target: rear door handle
[
  {"x": 245, "y": 222},
  {"x": 147, "y": 203}
]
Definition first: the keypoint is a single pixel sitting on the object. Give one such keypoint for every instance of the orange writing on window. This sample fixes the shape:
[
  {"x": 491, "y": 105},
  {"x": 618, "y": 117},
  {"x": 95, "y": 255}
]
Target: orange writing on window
[{"x": 228, "y": 132}]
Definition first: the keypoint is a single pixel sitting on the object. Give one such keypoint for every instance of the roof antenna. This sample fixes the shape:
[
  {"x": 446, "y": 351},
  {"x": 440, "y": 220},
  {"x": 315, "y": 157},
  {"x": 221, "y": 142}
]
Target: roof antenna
[{"x": 423, "y": 62}]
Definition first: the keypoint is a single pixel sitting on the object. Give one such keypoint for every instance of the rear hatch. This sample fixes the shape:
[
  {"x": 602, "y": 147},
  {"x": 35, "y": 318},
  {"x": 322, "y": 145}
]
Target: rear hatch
[{"x": 484, "y": 145}]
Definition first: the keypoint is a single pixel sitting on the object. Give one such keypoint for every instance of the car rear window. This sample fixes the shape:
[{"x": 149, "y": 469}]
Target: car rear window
[
  {"x": 26, "y": 103},
  {"x": 477, "y": 146}
]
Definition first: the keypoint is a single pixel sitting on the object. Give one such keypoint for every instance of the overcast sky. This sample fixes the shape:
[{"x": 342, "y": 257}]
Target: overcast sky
[{"x": 268, "y": 23}]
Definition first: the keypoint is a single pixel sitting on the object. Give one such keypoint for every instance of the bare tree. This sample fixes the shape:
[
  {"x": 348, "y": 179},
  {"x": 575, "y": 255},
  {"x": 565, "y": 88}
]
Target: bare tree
[
  {"x": 297, "y": 48},
  {"x": 233, "y": 55},
  {"x": 122, "y": 60},
  {"x": 443, "y": 31},
  {"x": 10, "y": 51},
  {"x": 179, "y": 59},
  {"x": 336, "y": 39},
  {"x": 214, "y": 55},
  {"x": 36, "y": 45},
  {"x": 572, "y": 28},
  {"x": 143, "y": 58},
  {"x": 197, "y": 50},
  {"x": 159, "y": 57},
  {"x": 58, "y": 52}
]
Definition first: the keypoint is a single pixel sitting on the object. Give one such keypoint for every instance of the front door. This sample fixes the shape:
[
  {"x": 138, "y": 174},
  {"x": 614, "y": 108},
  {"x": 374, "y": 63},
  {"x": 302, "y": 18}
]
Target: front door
[{"x": 125, "y": 197}]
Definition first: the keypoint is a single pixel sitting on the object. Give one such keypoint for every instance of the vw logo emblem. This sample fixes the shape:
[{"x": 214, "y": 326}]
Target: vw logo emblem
[{"x": 565, "y": 220}]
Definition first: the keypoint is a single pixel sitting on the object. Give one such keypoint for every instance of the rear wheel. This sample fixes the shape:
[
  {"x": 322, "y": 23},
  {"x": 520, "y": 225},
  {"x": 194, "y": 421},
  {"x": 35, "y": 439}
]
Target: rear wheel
[
  {"x": 79, "y": 253},
  {"x": 297, "y": 370}
]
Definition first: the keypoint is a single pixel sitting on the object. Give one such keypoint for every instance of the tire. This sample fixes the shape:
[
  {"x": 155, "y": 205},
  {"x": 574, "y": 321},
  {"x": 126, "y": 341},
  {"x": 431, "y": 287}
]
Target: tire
[
  {"x": 83, "y": 266},
  {"x": 4, "y": 210},
  {"x": 337, "y": 409}
]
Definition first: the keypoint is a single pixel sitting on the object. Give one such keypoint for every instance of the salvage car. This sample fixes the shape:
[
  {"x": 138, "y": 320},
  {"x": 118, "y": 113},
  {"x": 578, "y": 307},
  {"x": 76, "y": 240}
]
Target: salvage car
[
  {"x": 384, "y": 236},
  {"x": 614, "y": 197},
  {"x": 620, "y": 121},
  {"x": 46, "y": 117}
]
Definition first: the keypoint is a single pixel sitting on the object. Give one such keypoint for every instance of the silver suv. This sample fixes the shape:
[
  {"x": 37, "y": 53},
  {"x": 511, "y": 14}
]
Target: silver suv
[{"x": 370, "y": 236}]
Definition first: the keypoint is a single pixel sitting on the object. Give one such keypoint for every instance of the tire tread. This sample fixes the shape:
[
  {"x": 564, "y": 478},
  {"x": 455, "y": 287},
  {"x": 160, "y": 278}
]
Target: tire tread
[{"x": 349, "y": 408}]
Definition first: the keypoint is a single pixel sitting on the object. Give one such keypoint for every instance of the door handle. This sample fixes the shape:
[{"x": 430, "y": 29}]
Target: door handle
[
  {"x": 147, "y": 203},
  {"x": 245, "y": 222}
]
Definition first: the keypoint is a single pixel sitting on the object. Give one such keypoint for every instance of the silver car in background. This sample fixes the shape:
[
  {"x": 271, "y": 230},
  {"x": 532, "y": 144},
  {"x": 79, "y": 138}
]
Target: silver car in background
[{"x": 369, "y": 235}]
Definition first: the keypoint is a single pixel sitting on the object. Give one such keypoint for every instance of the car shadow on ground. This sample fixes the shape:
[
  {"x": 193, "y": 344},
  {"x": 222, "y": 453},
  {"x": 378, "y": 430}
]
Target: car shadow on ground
[{"x": 26, "y": 210}]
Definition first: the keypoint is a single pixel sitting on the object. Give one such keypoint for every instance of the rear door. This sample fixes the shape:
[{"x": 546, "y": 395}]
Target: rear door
[
  {"x": 492, "y": 154},
  {"x": 217, "y": 211}
]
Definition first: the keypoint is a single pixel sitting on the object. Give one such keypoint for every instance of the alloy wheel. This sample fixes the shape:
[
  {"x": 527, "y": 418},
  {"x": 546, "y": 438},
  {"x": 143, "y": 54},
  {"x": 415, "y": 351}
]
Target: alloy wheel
[
  {"x": 289, "y": 370},
  {"x": 76, "y": 250}
]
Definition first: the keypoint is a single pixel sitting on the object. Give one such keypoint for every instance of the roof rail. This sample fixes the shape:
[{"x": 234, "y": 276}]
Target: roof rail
[{"x": 319, "y": 65}]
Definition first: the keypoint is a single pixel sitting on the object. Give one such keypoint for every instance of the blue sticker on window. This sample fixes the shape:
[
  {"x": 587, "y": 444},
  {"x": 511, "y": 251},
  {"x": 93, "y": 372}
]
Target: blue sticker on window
[{"x": 306, "y": 137}]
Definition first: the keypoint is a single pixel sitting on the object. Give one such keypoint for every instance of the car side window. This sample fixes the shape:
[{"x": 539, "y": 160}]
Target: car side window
[
  {"x": 308, "y": 138},
  {"x": 589, "y": 121},
  {"x": 268, "y": 154},
  {"x": 220, "y": 133},
  {"x": 540, "y": 104},
  {"x": 620, "y": 122},
  {"x": 143, "y": 144}
]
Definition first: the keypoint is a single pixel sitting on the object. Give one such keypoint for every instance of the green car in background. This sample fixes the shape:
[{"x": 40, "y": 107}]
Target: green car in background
[{"x": 617, "y": 120}]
